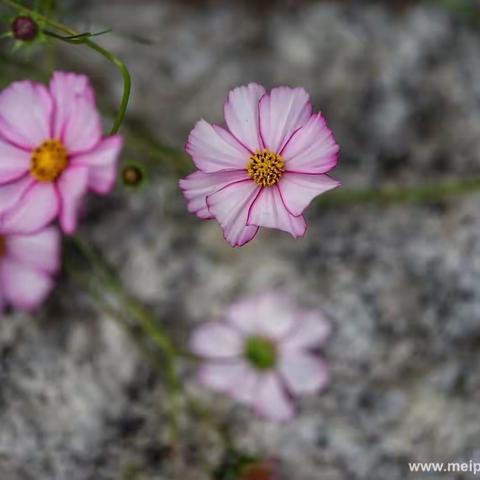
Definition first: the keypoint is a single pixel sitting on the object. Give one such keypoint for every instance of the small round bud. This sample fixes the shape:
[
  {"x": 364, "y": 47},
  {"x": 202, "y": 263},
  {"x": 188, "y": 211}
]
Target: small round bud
[
  {"x": 132, "y": 175},
  {"x": 24, "y": 28}
]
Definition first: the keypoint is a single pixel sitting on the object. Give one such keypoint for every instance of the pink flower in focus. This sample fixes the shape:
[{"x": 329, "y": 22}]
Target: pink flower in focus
[
  {"x": 262, "y": 355},
  {"x": 27, "y": 264},
  {"x": 265, "y": 168},
  {"x": 51, "y": 152}
]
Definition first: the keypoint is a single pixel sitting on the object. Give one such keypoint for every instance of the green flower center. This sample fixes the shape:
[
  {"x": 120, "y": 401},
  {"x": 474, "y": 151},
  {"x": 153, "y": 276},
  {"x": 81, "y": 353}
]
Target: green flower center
[{"x": 261, "y": 353}]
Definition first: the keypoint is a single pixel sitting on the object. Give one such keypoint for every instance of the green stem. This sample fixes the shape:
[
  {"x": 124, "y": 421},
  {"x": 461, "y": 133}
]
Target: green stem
[
  {"x": 144, "y": 318},
  {"x": 134, "y": 306},
  {"x": 76, "y": 37},
  {"x": 428, "y": 193}
]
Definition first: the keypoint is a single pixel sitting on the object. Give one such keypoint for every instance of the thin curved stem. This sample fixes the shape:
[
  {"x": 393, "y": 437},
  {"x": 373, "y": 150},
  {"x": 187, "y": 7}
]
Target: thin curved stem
[
  {"x": 127, "y": 305},
  {"x": 73, "y": 36}
]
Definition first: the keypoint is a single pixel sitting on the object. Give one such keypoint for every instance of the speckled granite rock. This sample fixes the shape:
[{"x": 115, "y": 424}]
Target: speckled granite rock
[{"x": 401, "y": 284}]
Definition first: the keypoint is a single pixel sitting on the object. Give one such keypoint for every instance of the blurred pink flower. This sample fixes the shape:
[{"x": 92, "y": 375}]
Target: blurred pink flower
[
  {"x": 262, "y": 354},
  {"x": 27, "y": 264},
  {"x": 266, "y": 168},
  {"x": 51, "y": 152}
]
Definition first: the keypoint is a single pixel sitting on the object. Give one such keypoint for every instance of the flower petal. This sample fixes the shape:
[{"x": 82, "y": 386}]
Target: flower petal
[
  {"x": 299, "y": 189},
  {"x": 241, "y": 115},
  {"x": 245, "y": 391},
  {"x": 213, "y": 148},
  {"x": 230, "y": 207},
  {"x": 25, "y": 113},
  {"x": 76, "y": 122},
  {"x": 24, "y": 287},
  {"x": 312, "y": 149},
  {"x": 12, "y": 192},
  {"x": 216, "y": 340},
  {"x": 14, "y": 162},
  {"x": 221, "y": 376},
  {"x": 283, "y": 111},
  {"x": 72, "y": 187},
  {"x": 269, "y": 210},
  {"x": 101, "y": 163},
  {"x": 303, "y": 372},
  {"x": 39, "y": 250},
  {"x": 270, "y": 314},
  {"x": 198, "y": 185},
  {"x": 311, "y": 331},
  {"x": 3, "y": 301},
  {"x": 37, "y": 208},
  {"x": 242, "y": 314},
  {"x": 272, "y": 402},
  {"x": 275, "y": 315}
]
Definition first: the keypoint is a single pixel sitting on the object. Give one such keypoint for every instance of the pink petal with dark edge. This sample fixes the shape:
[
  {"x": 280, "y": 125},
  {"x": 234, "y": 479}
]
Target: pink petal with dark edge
[
  {"x": 299, "y": 189},
  {"x": 242, "y": 116},
  {"x": 102, "y": 164},
  {"x": 25, "y": 114},
  {"x": 283, "y": 111},
  {"x": 14, "y": 162},
  {"x": 199, "y": 185},
  {"x": 230, "y": 207},
  {"x": 213, "y": 148},
  {"x": 312, "y": 149},
  {"x": 72, "y": 187},
  {"x": 77, "y": 121},
  {"x": 269, "y": 210},
  {"x": 36, "y": 209}
]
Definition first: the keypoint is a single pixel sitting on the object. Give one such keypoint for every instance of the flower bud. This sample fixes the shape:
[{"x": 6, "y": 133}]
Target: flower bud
[
  {"x": 24, "y": 28},
  {"x": 132, "y": 175}
]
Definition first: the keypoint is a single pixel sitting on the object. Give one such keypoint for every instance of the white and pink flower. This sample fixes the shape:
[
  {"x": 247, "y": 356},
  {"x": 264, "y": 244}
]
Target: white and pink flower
[
  {"x": 265, "y": 168},
  {"x": 263, "y": 354},
  {"x": 27, "y": 266},
  {"x": 51, "y": 152}
]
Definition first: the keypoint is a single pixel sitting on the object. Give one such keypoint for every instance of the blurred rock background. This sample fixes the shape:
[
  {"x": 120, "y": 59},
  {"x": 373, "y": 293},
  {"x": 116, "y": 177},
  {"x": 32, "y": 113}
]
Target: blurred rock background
[{"x": 399, "y": 82}]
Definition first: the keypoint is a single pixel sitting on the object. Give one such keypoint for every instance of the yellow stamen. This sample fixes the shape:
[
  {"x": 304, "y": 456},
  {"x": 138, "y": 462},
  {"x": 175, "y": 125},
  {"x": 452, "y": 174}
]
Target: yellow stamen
[
  {"x": 49, "y": 160},
  {"x": 266, "y": 168}
]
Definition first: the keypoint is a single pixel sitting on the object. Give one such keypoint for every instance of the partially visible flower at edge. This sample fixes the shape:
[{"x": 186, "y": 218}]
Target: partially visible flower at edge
[
  {"x": 51, "y": 152},
  {"x": 263, "y": 354},
  {"x": 262, "y": 470},
  {"x": 27, "y": 266},
  {"x": 265, "y": 169}
]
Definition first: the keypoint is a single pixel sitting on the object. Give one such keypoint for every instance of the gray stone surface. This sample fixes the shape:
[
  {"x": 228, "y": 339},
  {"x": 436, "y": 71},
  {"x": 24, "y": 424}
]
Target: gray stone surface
[{"x": 401, "y": 284}]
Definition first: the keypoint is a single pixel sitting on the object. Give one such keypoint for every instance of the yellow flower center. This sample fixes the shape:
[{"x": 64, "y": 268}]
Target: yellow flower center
[
  {"x": 49, "y": 160},
  {"x": 3, "y": 246},
  {"x": 265, "y": 168}
]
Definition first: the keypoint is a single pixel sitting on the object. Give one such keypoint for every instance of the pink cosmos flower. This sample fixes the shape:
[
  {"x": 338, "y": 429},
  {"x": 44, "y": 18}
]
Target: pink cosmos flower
[
  {"x": 262, "y": 354},
  {"x": 263, "y": 170},
  {"x": 51, "y": 152},
  {"x": 27, "y": 264}
]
